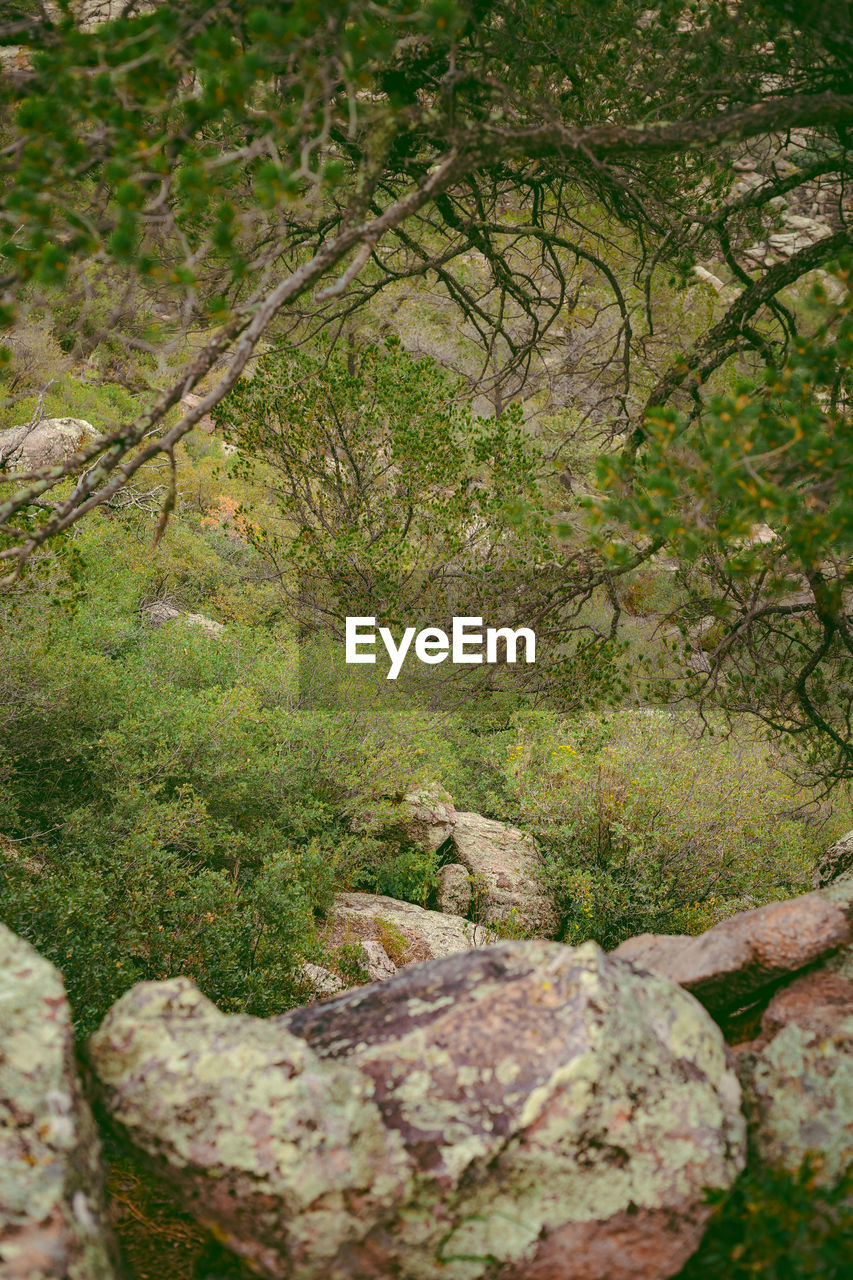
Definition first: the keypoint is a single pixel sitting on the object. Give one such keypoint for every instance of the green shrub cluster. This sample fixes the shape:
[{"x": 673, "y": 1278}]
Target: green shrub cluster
[
  {"x": 647, "y": 826},
  {"x": 778, "y": 1226}
]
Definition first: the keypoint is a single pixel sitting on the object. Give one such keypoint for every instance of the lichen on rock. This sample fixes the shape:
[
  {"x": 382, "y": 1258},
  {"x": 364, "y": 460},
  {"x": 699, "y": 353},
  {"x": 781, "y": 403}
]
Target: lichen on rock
[
  {"x": 522, "y": 1110},
  {"x": 52, "y": 1223}
]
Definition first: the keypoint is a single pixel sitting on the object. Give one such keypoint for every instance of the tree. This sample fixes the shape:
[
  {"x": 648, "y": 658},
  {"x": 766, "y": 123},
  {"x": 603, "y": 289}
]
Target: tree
[
  {"x": 754, "y": 496},
  {"x": 250, "y": 164},
  {"x": 392, "y": 499}
]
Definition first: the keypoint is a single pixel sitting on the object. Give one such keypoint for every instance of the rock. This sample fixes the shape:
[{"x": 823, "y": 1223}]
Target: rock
[
  {"x": 161, "y": 612},
  {"x": 377, "y": 962},
  {"x": 324, "y": 983},
  {"x": 49, "y": 442},
  {"x": 412, "y": 933},
  {"x": 191, "y": 401},
  {"x": 834, "y": 862},
  {"x": 506, "y": 868},
  {"x": 798, "y": 1076},
  {"x": 205, "y": 624},
  {"x": 52, "y": 1223},
  {"x": 529, "y": 1111},
  {"x": 727, "y": 966},
  {"x": 454, "y": 889},
  {"x": 430, "y": 817}
]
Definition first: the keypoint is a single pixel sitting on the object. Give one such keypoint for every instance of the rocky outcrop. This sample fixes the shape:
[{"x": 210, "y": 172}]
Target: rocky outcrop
[
  {"x": 323, "y": 983},
  {"x": 161, "y": 612},
  {"x": 429, "y": 819},
  {"x": 527, "y": 1110},
  {"x": 797, "y": 1075},
  {"x": 506, "y": 871},
  {"x": 454, "y": 889},
  {"x": 51, "y": 1214},
  {"x": 48, "y": 442},
  {"x": 413, "y": 933},
  {"x": 836, "y": 861},
  {"x": 731, "y": 964}
]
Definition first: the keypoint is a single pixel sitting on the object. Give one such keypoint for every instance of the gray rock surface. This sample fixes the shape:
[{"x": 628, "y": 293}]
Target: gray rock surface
[
  {"x": 428, "y": 934},
  {"x": 48, "y": 442},
  {"x": 324, "y": 983},
  {"x": 797, "y": 1076},
  {"x": 729, "y": 965},
  {"x": 52, "y": 1224},
  {"x": 505, "y": 866},
  {"x": 430, "y": 817},
  {"x": 377, "y": 962},
  {"x": 527, "y": 1111},
  {"x": 836, "y": 861},
  {"x": 454, "y": 889}
]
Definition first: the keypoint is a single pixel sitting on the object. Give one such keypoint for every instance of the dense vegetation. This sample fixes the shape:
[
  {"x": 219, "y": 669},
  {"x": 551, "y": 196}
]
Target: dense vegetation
[{"x": 490, "y": 322}]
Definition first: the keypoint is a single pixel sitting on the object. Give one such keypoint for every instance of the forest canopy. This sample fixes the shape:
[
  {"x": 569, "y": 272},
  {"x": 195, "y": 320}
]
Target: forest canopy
[{"x": 184, "y": 187}]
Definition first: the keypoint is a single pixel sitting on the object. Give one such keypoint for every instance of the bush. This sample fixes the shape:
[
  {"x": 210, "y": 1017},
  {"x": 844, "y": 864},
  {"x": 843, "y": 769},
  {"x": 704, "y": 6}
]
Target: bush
[
  {"x": 778, "y": 1226},
  {"x": 645, "y": 826}
]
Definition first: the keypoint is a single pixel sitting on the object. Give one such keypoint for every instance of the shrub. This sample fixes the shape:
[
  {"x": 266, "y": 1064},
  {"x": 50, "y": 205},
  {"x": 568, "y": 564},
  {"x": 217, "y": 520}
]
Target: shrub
[
  {"x": 778, "y": 1226},
  {"x": 646, "y": 826}
]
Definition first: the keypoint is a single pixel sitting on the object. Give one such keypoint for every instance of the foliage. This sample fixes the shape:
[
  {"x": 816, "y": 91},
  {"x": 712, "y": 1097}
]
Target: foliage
[
  {"x": 755, "y": 499},
  {"x": 182, "y": 805},
  {"x": 390, "y": 492},
  {"x": 645, "y": 826},
  {"x": 245, "y": 154},
  {"x": 779, "y": 1226}
]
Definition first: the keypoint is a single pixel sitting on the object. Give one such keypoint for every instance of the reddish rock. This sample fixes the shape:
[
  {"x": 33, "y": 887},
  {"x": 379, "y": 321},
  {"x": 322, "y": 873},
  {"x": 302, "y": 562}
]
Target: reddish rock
[{"x": 734, "y": 962}]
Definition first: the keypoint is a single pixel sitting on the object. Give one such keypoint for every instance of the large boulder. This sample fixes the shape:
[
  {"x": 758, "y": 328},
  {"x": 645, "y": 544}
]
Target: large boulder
[
  {"x": 797, "y": 1075},
  {"x": 47, "y": 443},
  {"x": 52, "y": 1224},
  {"x": 410, "y": 933},
  {"x": 521, "y": 1111},
  {"x": 506, "y": 871},
  {"x": 732, "y": 964}
]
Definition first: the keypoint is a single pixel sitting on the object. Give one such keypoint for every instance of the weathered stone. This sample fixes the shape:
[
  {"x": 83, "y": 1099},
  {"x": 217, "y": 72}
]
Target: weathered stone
[
  {"x": 203, "y": 623},
  {"x": 191, "y": 401},
  {"x": 797, "y": 1076},
  {"x": 506, "y": 871},
  {"x": 47, "y": 443},
  {"x": 454, "y": 889},
  {"x": 430, "y": 817},
  {"x": 834, "y": 862},
  {"x": 424, "y": 935},
  {"x": 524, "y": 1111},
  {"x": 52, "y": 1224},
  {"x": 323, "y": 982},
  {"x": 737, "y": 959},
  {"x": 161, "y": 612},
  {"x": 377, "y": 962}
]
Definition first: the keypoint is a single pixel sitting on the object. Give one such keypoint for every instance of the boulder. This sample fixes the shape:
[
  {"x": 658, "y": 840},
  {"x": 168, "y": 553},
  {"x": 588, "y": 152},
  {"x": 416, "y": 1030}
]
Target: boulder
[
  {"x": 322, "y": 981},
  {"x": 797, "y": 1076},
  {"x": 52, "y": 1223},
  {"x": 429, "y": 818},
  {"x": 524, "y": 1111},
  {"x": 506, "y": 871},
  {"x": 377, "y": 962},
  {"x": 161, "y": 612},
  {"x": 47, "y": 443},
  {"x": 728, "y": 966},
  {"x": 412, "y": 933},
  {"x": 836, "y": 861},
  {"x": 454, "y": 889},
  {"x": 191, "y": 401}
]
